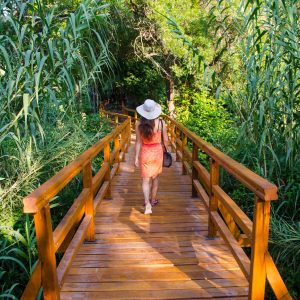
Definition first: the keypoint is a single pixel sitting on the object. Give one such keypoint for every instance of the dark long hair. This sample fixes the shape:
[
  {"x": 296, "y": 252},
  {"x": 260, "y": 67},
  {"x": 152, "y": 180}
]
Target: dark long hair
[{"x": 146, "y": 128}]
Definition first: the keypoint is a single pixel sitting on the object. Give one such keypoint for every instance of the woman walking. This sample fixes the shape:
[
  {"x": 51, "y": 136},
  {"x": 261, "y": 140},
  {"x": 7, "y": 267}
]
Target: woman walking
[{"x": 149, "y": 150}]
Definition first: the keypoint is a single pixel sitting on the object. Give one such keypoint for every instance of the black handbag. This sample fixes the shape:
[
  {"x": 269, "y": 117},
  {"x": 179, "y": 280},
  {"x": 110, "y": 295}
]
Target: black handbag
[{"x": 167, "y": 158}]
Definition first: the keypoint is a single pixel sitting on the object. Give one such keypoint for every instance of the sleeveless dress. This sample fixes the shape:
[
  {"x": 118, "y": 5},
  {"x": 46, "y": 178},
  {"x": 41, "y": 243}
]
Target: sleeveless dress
[{"x": 151, "y": 155}]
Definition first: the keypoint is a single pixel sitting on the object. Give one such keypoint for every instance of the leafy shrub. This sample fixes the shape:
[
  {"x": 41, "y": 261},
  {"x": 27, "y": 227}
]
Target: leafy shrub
[{"x": 207, "y": 117}]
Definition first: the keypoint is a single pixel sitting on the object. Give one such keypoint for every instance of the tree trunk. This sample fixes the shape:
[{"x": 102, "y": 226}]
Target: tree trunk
[{"x": 170, "y": 96}]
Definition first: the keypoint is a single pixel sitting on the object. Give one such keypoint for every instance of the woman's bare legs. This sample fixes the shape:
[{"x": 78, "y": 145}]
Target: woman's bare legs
[
  {"x": 154, "y": 188},
  {"x": 146, "y": 190}
]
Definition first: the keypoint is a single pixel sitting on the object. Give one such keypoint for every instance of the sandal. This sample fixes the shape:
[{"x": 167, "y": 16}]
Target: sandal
[
  {"x": 154, "y": 202},
  {"x": 148, "y": 209}
]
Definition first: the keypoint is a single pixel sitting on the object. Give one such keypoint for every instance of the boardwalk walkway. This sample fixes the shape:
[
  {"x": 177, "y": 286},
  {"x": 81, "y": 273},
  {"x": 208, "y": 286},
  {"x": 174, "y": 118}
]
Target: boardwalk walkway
[{"x": 165, "y": 255}]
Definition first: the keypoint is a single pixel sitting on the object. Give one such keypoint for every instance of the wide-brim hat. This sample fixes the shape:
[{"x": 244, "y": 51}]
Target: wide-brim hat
[{"x": 149, "y": 110}]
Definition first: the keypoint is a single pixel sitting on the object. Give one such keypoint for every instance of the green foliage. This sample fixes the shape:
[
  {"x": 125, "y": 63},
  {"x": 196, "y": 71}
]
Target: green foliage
[
  {"x": 207, "y": 117},
  {"x": 62, "y": 145},
  {"x": 141, "y": 81}
]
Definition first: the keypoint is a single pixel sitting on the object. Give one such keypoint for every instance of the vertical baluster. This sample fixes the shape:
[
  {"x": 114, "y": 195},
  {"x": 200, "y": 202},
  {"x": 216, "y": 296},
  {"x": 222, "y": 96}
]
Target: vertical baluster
[
  {"x": 184, "y": 143},
  {"x": 116, "y": 120},
  {"x": 107, "y": 175},
  {"x": 89, "y": 204},
  {"x": 213, "y": 201},
  {"x": 194, "y": 172},
  {"x": 46, "y": 250},
  {"x": 260, "y": 236}
]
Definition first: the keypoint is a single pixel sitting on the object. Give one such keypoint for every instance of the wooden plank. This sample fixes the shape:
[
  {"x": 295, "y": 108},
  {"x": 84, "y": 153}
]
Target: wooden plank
[
  {"x": 154, "y": 285},
  {"x": 89, "y": 204},
  {"x": 277, "y": 284},
  {"x": 34, "y": 283},
  {"x": 114, "y": 170},
  {"x": 144, "y": 295},
  {"x": 260, "y": 236},
  {"x": 149, "y": 273},
  {"x": 202, "y": 193},
  {"x": 100, "y": 195},
  {"x": 240, "y": 256},
  {"x": 68, "y": 221},
  {"x": 72, "y": 250},
  {"x": 239, "y": 216},
  {"x": 213, "y": 198},
  {"x": 98, "y": 178},
  {"x": 229, "y": 220},
  {"x": 46, "y": 251},
  {"x": 203, "y": 174},
  {"x": 107, "y": 175}
]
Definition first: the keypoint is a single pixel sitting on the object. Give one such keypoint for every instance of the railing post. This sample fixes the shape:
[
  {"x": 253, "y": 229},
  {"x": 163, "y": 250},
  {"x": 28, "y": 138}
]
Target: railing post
[
  {"x": 128, "y": 136},
  {"x": 107, "y": 175},
  {"x": 117, "y": 120},
  {"x": 213, "y": 201},
  {"x": 89, "y": 204},
  {"x": 184, "y": 143},
  {"x": 260, "y": 236},
  {"x": 173, "y": 145},
  {"x": 117, "y": 148},
  {"x": 177, "y": 134},
  {"x": 194, "y": 170},
  {"x": 46, "y": 251}
]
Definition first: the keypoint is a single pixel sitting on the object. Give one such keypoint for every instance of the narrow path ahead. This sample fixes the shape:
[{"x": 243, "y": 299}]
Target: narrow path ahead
[{"x": 165, "y": 255}]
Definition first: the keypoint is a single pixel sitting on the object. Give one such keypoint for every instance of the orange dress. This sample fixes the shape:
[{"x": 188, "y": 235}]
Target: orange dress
[{"x": 151, "y": 156}]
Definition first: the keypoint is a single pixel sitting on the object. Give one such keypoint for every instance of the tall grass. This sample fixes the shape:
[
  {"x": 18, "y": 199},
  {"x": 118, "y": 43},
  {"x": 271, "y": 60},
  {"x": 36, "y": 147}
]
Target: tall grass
[
  {"x": 51, "y": 59},
  {"x": 48, "y": 65},
  {"x": 269, "y": 106},
  {"x": 265, "y": 101}
]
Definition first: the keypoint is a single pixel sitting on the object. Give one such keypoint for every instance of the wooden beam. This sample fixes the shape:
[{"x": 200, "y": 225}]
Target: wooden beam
[
  {"x": 238, "y": 215},
  {"x": 260, "y": 186},
  {"x": 260, "y": 236},
  {"x": 89, "y": 204},
  {"x": 98, "y": 178},
  {"x": 72, "y": 250},
  {"x": 34, "y": 283},
  {"x": 46, "y": 251},
  {"x": 237, "y": 251},
  {"x": 213, "y": 198},
  {"x": 68, "y": 221},
  {"x": 275, "y": 280},
  {"x": 100, "y": 195},
  {"x": 201, "y": 193}
]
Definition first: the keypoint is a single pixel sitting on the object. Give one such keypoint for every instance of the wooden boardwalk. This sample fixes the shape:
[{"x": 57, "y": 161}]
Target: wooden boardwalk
[{"x": 165, "y": 255}]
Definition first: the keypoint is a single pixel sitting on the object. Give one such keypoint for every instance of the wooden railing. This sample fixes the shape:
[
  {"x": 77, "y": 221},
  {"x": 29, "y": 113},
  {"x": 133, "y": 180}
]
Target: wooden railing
[
  {"x": 132, "y": 113},
  {"x": 78, "y": 223},
  {"x": 225, "y": 216}
]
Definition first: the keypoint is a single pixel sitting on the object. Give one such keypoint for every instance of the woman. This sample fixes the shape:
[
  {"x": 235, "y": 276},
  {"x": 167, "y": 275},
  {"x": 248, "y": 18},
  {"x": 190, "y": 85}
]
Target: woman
[{"x": 149, "y": 150}]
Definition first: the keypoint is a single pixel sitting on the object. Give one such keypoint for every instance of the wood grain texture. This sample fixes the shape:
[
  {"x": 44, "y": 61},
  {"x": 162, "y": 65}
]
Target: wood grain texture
[{"x": 165, "y": 255}]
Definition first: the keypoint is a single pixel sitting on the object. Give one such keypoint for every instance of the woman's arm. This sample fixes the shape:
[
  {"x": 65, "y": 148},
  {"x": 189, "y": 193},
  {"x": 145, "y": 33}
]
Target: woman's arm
[
  {"x": 137, "y": 143},
  {"x": 165, "y": 135}
]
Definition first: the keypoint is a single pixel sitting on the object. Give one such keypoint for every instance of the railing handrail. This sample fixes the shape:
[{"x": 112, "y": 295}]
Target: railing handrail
[
  {"x": 94, "y": 189},
  {"x": 39, "y": 197},
  {"x": 233, "y": 220},
  {"x": 256, "y": 183}
]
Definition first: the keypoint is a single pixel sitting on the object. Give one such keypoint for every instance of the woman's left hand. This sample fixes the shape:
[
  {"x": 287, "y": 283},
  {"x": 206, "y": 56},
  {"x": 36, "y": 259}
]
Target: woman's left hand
[{"x": 137, "y": 162}]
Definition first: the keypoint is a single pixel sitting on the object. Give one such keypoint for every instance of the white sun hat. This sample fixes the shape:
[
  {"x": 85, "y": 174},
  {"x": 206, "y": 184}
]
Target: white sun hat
[{"x": 149, "y": 110}]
